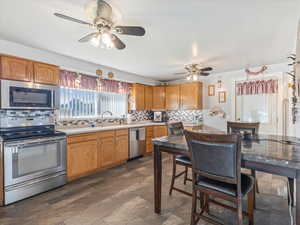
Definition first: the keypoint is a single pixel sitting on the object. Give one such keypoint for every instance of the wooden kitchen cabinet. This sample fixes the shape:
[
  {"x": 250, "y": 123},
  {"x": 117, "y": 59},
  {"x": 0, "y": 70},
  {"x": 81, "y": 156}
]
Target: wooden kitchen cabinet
[
  {"x": 191, "y": 95},
  {"x": 160, "y": 131},
  {"x": 106, "y": 153},
  {"x": 148, "y": 97},
  {"x": 45, "y": 73},
  {"x": 149, "y": 137},
  {"x": 82, "y": 155},
  {"x": 13, "y": 68},
  {"x": 172, "y": 97},
  {"x": 137, "y": 98},
  {"x": 122, "y": 153},
  {"x": 159, "y": 98}
]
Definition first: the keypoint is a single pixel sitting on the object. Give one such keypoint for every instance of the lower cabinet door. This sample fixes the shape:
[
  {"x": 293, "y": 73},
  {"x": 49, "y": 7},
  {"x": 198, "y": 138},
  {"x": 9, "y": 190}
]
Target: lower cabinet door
[
  {"x": 107, "y": 151},
  {"x": 160, "y": 131},
  {"x": 81, "y": 158},
  {"x": 121, "y": 148},
  {"x": 149, "y": 146}
]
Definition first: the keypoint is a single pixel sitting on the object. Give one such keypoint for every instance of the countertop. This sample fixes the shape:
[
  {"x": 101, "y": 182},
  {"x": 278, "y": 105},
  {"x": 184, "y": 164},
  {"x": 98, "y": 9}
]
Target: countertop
[{"x": 82, "y": 130}]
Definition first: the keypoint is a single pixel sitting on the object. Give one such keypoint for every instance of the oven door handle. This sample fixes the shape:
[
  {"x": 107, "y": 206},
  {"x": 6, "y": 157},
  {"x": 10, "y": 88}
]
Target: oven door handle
[
  {"x": 34, "y": 142},
  {"x": 21, "y": 146}
]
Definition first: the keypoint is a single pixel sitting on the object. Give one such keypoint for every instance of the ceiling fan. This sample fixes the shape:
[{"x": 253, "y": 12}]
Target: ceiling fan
[
  {"x": 101, "y": 14},
  {"x": 193, "y": 71}
]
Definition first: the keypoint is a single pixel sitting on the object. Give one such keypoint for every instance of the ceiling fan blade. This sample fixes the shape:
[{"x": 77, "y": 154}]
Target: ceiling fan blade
[
  {"x": 88, "y": 37},
  {"x": 71, "y": 19},
  {"x": 204, "y": 74},
  {"x": 206, "y": 69},
  {"x": 183, "y": 73},
  {"x": 130, "y": 30},
  {"x": 117, "y": 42}
]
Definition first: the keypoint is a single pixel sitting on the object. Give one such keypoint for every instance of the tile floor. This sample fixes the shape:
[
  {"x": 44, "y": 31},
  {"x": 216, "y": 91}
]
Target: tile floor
[{"x": 124, "y": 196}]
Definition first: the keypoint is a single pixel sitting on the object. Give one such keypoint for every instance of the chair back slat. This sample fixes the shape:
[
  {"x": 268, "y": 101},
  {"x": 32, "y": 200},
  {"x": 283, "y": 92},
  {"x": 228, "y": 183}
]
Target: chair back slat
[
  {"x": 237, "y": 127},
  {"x": 175, "y": 129},
  {"x": 216, "y": 156}
]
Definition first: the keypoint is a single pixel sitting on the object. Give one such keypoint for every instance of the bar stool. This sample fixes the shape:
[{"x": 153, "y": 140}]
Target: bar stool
[
  {"x": 216, "y": 169},
  {"x": 176, "y": 129}
]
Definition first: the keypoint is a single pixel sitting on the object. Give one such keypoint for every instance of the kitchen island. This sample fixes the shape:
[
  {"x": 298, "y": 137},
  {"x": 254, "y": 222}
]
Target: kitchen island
[{"x": 277, "y": 155}]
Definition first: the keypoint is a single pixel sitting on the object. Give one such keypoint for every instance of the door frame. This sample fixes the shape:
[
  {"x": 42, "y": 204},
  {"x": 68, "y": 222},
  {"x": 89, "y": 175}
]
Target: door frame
[{"x": 282, "y": 95}]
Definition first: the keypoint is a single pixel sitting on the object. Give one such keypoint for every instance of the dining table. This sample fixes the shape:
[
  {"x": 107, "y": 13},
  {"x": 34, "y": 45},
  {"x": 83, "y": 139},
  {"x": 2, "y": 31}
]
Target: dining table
[{"x": 273, "y": 154}]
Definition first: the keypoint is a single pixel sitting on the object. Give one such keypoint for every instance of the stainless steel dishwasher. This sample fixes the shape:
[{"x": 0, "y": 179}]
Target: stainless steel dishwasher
[{"x": 137, "y": 142}]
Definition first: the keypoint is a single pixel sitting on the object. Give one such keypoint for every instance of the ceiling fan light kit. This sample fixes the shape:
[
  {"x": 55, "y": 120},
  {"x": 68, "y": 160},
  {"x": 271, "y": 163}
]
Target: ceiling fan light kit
[
  {"x": 101, "y": 15},
  {"x": 194, "y": 72}
]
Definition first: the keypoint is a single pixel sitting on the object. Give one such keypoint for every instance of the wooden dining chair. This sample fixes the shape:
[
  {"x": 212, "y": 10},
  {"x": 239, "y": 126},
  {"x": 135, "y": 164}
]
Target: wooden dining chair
[
  {"x": 176, "y": 129},
  {"x": 216, "y": 169},
  {"x": 238, "y": 127}
]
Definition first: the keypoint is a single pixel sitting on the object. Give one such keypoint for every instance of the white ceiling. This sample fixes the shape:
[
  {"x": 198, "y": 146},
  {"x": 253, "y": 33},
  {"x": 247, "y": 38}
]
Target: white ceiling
[{"x": 227, "y": 35}]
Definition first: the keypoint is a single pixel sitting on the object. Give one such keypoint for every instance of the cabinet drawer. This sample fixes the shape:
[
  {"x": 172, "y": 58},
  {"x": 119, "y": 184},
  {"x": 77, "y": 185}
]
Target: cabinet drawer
[
  {"x": 103, "y": 134},
  {"x": 121, "y": 132},
  {"x": 82, "y": 137}
]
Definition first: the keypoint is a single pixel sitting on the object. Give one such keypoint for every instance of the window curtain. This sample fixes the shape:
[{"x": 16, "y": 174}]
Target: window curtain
[
  {"x": 257, "y": 87},
  {"x": 81, "y": 81}
]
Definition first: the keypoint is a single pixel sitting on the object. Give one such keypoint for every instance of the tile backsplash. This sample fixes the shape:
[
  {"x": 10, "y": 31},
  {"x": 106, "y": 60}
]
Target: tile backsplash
[
  {"x": 134, "y": 115},
  {"x": 174, "y": 115},
  {"x": 183, "y": 115}
]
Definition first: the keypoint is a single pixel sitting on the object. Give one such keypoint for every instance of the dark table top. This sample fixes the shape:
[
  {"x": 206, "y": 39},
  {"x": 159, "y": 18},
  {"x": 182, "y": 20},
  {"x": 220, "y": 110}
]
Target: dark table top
[{"x": 271, "y": 149}]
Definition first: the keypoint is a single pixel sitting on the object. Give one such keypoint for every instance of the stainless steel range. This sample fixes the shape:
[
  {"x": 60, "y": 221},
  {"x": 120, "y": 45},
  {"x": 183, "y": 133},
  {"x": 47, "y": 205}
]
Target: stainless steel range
[{"x": 34, "y": 153}]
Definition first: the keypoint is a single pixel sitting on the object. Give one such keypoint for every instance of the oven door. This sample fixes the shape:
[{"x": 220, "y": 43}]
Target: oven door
[
  {"x": 31, "y": 159},
  {"x": 26, "y": 95}
]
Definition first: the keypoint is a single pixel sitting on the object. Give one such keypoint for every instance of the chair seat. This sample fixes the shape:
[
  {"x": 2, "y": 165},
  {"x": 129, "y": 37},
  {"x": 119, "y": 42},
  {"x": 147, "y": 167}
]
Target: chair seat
[
  {"x": 183, "y": 160},
  {"x": 230, "y": 189}
]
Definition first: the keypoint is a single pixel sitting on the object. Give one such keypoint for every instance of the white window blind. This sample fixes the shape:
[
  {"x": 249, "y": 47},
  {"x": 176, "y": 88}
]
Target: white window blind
[{"x": 78, "y": 103}]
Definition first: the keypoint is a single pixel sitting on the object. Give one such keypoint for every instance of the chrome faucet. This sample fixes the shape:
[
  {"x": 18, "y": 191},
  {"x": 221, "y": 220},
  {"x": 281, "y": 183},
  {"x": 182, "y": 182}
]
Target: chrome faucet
[{"x": 102, "y": 115}]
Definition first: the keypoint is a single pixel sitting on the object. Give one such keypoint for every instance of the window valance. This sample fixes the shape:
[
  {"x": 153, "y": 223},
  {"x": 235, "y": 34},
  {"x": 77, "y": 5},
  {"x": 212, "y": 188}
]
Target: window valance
[
  {"x": 82, "y": 81},
  {"x": 257, "y": 87}
]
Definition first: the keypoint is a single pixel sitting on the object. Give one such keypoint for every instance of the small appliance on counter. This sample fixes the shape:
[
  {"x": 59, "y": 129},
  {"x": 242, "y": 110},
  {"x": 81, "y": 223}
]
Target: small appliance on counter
[
  {"x": 34, "y": 153},
  {"x": 160, "y": 116}
]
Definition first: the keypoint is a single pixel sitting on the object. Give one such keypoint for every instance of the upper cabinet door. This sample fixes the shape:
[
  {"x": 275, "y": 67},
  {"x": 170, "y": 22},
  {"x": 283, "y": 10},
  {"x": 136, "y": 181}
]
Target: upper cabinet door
[
  {"x": 191, "y": 95},
  {"x": 14, "y": 68},
  {"x": 148, "y": 97},
  {"x": 159, "y": 97},
  {"x": 173, "y": 97},
  {"x": 46, "y": 74},
  {"x": 137, "y": 98}
]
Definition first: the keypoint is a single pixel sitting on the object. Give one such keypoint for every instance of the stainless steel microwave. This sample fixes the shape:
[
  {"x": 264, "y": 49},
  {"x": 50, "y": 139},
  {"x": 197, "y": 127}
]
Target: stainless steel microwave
[{"x": 28, "y": 95}]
